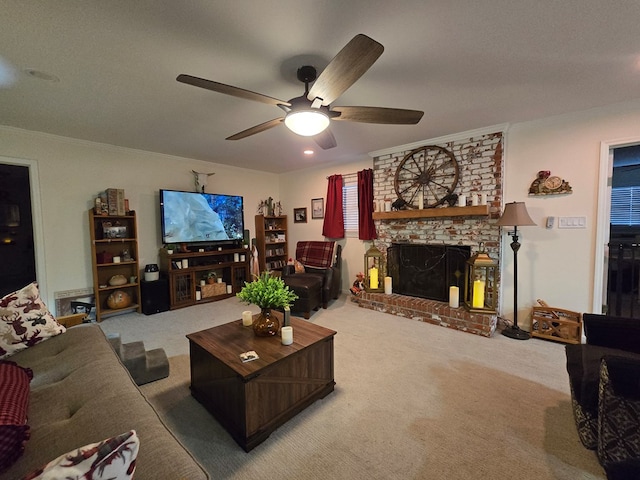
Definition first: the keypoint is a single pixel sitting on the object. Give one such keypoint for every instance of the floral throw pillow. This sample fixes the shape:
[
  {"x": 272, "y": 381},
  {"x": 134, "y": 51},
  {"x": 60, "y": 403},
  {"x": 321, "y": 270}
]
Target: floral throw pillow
[
  {"x": 113, "y": 459},
  {"x": 25, "y": 320}
]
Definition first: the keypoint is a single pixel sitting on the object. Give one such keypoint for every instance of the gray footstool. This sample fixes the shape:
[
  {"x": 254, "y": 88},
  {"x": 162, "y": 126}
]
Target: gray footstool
[{"x": 145, "y": 366}]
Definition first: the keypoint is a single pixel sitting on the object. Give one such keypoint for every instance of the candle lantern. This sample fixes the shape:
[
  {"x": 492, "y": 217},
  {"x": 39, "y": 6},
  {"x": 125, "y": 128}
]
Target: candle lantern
[
  {"x": 374, "y": 267},
  {"x": 480, "y": 287}
]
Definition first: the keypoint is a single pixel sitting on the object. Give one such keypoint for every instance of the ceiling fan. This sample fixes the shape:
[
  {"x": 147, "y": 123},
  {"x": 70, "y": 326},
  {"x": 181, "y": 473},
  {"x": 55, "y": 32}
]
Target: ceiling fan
[{"x": 311, "y": 113}]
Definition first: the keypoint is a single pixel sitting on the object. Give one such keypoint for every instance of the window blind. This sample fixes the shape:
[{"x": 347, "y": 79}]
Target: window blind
[{"x": 625, "y": 206}]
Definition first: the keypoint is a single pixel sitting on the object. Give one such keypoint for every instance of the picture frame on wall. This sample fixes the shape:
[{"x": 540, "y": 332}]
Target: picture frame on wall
[
  {"x": 300, "y": 215},
  {"x": 317, "y": 208}
]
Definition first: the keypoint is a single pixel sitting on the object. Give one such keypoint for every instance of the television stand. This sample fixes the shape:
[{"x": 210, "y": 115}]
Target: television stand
[{"x": 187, "y": 272}]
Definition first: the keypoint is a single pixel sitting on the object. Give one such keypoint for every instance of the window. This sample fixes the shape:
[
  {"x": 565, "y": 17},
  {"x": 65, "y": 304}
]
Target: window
[
  {"x": 350, "y": 205},
  {"x": 625, "y": 206}
]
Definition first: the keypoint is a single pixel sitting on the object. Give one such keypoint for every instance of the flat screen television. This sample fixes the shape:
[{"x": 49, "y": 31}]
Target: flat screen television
[{"x": 203, "y": 218}]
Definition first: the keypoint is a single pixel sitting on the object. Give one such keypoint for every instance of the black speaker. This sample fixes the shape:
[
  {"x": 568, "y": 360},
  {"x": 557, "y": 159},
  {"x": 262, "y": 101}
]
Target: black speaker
[{"x": 155, "y": 296}]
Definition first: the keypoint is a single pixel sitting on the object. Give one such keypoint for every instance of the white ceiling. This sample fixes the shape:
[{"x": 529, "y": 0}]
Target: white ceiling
[{"x": 467, "y": 64}]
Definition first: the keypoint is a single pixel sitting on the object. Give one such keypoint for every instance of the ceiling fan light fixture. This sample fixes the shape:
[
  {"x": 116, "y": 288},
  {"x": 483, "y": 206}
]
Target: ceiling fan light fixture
[{"x": 306, "y": 122}]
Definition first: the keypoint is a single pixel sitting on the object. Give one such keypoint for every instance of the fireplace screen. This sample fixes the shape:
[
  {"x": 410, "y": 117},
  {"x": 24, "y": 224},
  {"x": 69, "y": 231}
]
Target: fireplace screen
[{"x": 426, "y": 271}]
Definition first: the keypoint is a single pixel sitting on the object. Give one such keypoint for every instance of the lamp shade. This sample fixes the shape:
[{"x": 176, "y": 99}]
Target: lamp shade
[
  {"x": 515, "y": 215},
  {"x": 306, "y": 122}
]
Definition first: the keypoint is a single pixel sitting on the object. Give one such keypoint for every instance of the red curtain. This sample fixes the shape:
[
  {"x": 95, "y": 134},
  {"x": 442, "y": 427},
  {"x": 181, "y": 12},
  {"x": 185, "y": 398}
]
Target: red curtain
[
  {"x": 366, "y": 227},
  {"x": 333, "y": 226}
]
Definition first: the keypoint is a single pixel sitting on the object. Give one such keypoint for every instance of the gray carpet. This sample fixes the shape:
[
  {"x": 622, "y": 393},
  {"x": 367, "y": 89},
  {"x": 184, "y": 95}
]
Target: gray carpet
[{"x": 412, "y": 401}]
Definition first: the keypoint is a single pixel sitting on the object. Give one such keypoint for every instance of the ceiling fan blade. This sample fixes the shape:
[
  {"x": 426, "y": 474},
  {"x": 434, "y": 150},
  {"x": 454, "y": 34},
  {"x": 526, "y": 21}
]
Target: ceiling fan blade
[
  {"x": 229, "y": 90},
  {"x": 325, "y": 139},
  {"x": 393, "y": 116},
  {"x": 347, "y": 66},
  {"x": 257, "y": 129}
]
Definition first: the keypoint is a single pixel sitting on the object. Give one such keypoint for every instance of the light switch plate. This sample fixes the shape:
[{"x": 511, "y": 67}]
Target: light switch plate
[{"x": 572, "y": 222}]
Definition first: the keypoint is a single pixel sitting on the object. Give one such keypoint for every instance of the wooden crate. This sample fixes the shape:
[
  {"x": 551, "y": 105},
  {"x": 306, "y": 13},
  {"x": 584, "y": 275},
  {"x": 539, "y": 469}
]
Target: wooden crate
[
  {"x": 213, "y": 289},
  {"x": 556, "y": 324}
]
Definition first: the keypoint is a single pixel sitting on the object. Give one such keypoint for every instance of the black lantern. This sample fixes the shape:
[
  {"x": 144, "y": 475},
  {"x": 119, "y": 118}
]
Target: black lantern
[
  {"x": 480, "y": 293},
  {"x": 374, "y": 270}
]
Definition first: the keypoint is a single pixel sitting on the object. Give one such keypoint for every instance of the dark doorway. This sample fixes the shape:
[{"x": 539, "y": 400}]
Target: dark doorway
[
  {"x": 17, "y": 253},
  {"x": 623, "y": 280}
]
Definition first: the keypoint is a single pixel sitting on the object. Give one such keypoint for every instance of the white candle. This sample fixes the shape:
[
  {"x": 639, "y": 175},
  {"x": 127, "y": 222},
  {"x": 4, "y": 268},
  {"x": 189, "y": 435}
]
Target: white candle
[
  {"x": 229, "y": 288},
  {"x": 247, "y": 318},
  {"x": 387, "y": 205},
  {"x": 483, "y": 199},
  {"x": 287, "y": 335},
  {"x": 474, "y": 200},
  {"x": 454, "y": 297},
  {"x": 420, "y": 202},
  {"x": 116, "y": 259},
  {"x": 388, "y": 287},
  {"x": 236, "y": 257},
  {"x": 243, "y": 258},
  {"x": 462, "y": 200},
  {"x": 198, "y": 295},
  {"x": 478, "y": 294},
  {"x": 219, "y": 279},
  {"x": 185, "y": 263},
  {"x": 202, "y": 283}
]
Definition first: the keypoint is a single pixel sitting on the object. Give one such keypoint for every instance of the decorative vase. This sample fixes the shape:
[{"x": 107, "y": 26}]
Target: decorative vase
[{"x": 265, "y": 324}]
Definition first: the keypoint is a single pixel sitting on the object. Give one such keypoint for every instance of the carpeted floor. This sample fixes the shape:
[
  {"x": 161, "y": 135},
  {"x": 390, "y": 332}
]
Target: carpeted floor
[{"x": 412, "y": 401}]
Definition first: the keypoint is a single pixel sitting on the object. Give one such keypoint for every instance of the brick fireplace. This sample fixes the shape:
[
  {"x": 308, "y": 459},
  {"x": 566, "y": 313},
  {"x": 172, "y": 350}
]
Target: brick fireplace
[{"x": 480, "y": 161}]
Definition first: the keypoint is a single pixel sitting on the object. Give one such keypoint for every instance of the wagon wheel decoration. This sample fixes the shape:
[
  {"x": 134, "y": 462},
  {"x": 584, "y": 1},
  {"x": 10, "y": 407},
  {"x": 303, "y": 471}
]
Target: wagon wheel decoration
[{"x": 429, "y": 171}]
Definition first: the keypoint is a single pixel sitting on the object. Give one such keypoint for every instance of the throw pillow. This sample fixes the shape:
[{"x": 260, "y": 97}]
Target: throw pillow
[
  {"x": 299, "y": 268},
  {"x": 14, "y": 401},
  {"x": 113, "y": 458},
  {"x": 25, "y": 320}
]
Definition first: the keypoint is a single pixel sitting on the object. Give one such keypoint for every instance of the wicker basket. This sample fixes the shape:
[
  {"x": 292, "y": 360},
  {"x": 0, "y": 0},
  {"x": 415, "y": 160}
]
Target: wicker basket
[{"x": 213, "y": 289}]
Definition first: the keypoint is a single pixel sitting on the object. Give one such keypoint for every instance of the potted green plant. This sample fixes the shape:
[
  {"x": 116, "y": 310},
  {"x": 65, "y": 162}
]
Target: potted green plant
[{"x": 267, "y": 292}]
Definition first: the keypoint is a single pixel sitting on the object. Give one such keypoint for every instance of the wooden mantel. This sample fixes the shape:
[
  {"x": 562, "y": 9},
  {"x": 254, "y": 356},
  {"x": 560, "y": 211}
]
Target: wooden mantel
[{"x": 480, "y": 210}]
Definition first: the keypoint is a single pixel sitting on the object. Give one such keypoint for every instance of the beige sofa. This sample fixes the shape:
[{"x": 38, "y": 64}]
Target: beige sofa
[{"x": 80, "y": 394}]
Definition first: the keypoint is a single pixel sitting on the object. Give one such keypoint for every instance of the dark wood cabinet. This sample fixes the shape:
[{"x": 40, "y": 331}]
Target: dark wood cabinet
[
  {"x": 187, "y": 271},
  {"x": 114, "y": 254},
  {"x": 271, "y": 242}
]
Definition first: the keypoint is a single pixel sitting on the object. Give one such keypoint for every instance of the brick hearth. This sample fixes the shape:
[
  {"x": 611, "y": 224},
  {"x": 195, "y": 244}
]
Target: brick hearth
[{"x": 430, "y": 311}]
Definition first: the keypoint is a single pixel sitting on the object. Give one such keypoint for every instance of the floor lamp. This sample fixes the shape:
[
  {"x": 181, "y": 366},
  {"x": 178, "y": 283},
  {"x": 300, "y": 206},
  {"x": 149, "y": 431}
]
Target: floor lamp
[{"x": 515, "y": 215}]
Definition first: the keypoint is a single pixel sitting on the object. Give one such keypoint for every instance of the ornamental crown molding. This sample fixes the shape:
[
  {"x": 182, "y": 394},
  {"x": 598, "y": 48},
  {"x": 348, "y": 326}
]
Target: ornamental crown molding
[{"x": 502, "y": 128}]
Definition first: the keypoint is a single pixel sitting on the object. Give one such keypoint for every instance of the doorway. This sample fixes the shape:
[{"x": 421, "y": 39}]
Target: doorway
[
  {"x": 617, "y": 277},
  {"x": 17, "y": 249}
]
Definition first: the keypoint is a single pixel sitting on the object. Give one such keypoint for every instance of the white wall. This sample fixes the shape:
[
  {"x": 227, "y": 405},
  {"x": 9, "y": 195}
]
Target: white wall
[
  {"x": 554, "y": 265},
  {"x": 298, "y": 188},
  {"x": 558, "y": 265},
  {"x": 71, "y": 173}
]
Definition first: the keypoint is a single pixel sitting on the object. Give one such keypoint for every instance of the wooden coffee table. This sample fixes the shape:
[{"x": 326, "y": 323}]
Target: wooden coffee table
[{"x": 250, "y": 400}]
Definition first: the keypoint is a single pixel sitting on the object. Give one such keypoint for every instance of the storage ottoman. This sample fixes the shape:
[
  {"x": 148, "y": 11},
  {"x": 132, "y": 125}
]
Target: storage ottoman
[{"x": 309, "y": 291}]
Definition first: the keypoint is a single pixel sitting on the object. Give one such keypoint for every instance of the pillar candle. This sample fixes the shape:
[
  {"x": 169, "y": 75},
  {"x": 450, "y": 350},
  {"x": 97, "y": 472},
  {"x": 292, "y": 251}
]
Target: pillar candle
[
  {"x": 387, "y": 205},
  {"x": 202, "y": 283},
  {"x": 229, "y": 289},
  {"x": 483, "y": 199},
  {"x": 236, "y": 257},
  {"x": 198, "y": 295},
  {"x": 421, "y": 202},
  {"x": 462, "y": 200},
  {"x": 478, "y": 294},
  {"x": 388, "y": 286},
  {"x": 454, "y": 297},
  {"x": 185, "y": 263},
  {"x": 247, "y": 318},
  {"x": 287, "y": 335},
  {"x": 474, "y": 200},
  {"x": 373, "y": 277}
]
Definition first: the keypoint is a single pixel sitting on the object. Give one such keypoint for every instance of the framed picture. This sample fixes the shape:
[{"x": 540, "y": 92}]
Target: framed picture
[
  {"x": 317, "y": 208},
  {"x": 300, "y": 215}
]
